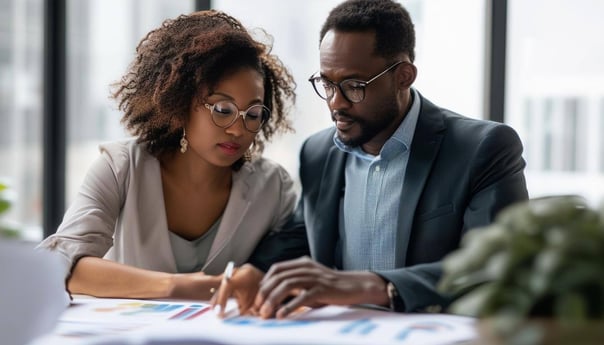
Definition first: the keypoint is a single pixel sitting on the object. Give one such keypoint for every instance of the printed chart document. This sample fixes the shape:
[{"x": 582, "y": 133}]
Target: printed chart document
[
  {"x": 89, "y": 320},
  {"x": 138, "y": 322}
]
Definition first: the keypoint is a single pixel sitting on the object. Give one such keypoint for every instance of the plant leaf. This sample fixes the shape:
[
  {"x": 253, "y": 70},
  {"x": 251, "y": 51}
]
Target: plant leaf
[{"x": 4, "y": 205}]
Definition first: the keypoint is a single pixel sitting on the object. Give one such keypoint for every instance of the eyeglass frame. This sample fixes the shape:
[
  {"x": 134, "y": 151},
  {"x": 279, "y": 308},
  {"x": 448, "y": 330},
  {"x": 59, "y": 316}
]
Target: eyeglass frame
[
  {"x": 363, "y": 84},
  {"x": 242, "y": 113}
]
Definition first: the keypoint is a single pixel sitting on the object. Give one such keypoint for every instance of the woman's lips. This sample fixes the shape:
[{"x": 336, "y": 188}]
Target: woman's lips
[{"x": 229, "y": 148}]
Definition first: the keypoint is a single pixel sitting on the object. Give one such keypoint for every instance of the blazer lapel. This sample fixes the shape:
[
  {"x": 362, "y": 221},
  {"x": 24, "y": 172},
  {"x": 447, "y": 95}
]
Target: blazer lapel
[
  {"x": 154, "y": 224},
  {"x": 424, "y": 149},
  {"x": 324, "y": 235},
  {"x": 237, "y": 207}
]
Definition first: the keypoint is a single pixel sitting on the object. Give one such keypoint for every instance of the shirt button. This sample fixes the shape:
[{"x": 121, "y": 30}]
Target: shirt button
[{"x": 377, "y": 168}]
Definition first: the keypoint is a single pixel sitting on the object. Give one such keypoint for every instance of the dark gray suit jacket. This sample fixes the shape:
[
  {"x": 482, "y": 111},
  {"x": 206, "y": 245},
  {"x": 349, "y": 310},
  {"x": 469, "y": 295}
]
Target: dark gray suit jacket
[{"x": 461, "y": 173}]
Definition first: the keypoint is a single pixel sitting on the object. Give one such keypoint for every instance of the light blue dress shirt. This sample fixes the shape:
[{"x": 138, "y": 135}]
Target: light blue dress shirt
[{"x": 372, "y": 196}]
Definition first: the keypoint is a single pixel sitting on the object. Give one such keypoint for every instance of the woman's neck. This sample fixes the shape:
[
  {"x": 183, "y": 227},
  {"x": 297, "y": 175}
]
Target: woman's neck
[{"x": 196, "y": 174}]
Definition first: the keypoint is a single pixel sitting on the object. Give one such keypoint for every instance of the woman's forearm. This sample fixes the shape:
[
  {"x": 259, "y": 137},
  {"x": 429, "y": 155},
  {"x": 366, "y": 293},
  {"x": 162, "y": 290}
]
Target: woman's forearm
[{"x": 104, "y": 278}]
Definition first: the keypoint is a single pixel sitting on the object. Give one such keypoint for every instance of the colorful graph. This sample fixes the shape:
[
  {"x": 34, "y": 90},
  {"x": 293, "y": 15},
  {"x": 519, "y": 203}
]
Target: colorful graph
[
  {"x": 426, "y": 326},
  {"x": 362, "y": 326},
  {"x": 189, "y": 312},
  {"x": 273, "y": 323}
]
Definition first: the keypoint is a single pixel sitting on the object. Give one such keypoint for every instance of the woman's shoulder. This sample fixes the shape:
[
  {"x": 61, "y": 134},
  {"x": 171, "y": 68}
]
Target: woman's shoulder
[
  {"x": 264, "y": 169},
  {"x": 121, "y": 147},
  {"x": 124, "y": 150},
  {"x": 125, "y": 156}
]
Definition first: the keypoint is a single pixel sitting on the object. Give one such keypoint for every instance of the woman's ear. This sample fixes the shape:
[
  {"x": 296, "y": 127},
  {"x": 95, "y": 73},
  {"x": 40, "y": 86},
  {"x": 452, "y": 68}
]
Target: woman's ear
[{"x": 406, "y": 74}]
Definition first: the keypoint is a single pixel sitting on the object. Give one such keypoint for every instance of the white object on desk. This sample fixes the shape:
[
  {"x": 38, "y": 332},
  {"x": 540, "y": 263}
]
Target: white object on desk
[
  {"x": 32, "y": 292},
  {"x": 145, "y": 322}
]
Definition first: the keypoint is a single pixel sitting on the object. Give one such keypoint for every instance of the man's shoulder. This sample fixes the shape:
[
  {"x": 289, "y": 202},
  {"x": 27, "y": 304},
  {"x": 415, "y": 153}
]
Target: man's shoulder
[
  {"x": 456, "y": 121},
  {"x": 462, "y": 131},
  {"x": 316, "y": 148},
  {"x": 471, "y": 129},
  {"x": 468, "y": 129}
]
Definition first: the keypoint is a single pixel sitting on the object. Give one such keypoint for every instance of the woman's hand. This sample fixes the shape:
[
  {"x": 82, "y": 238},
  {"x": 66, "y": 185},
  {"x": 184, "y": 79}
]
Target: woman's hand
[
  {"x": 195, "y": 286},
  {"x": 243, "y": 286}
]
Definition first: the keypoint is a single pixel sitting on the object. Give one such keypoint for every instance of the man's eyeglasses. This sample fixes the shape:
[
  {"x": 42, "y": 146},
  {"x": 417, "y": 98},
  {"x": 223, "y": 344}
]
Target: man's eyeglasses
[
  {"x": 352, "y": 89},
  {"x": 225, "y": 113}
]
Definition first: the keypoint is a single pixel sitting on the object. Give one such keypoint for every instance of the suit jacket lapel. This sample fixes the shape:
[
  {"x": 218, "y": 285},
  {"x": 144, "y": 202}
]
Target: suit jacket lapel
[
  {"x": 324, "y": 235},
  {"x": 424, "y": 149}
]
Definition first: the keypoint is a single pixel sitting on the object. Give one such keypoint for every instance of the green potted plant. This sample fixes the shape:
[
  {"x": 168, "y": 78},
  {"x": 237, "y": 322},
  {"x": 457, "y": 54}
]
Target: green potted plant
[
  {"x": 536, "y": 275},
  {"x": 5, "y": 203}
]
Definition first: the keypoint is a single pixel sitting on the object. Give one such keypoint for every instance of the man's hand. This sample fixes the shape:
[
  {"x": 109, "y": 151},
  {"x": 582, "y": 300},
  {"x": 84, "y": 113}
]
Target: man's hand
[
  {"x": 312, "y": 284},
  {"x": 243, "y": 285}
]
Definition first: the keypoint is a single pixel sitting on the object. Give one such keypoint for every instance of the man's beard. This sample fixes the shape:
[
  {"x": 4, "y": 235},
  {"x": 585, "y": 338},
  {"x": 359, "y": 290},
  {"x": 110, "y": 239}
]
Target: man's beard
[{"x": 370, "y": 128}]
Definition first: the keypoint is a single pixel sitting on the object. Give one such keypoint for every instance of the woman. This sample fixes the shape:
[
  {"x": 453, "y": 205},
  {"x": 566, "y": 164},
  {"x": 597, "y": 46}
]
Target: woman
[{"x": 160, "y": 216}]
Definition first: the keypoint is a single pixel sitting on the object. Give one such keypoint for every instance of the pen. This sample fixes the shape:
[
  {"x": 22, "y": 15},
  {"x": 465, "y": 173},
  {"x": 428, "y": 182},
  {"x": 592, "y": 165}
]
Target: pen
[
  {"x": 228, "y": 271},
  {"x": 226, "y": 276}
]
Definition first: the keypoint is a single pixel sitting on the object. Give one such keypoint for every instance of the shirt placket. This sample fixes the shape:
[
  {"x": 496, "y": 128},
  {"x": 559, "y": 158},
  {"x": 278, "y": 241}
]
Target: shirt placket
[{"x": 374, "y": 186}]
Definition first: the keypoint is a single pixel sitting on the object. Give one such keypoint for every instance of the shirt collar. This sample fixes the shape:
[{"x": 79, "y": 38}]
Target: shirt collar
[{"x": 400, "y": 140}]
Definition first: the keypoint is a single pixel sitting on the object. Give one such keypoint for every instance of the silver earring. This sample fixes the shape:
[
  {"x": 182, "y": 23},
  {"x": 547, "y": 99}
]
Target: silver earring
[{"x": 184, "y": 143}]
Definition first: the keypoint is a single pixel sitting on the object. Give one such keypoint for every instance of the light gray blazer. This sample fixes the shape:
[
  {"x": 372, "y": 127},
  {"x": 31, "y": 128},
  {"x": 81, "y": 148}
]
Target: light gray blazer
[{"x": 119, "y": 212}]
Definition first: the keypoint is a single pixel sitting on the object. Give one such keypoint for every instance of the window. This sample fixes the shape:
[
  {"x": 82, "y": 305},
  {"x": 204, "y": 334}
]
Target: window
[
  {"x": 601, "y": 131},
  {"x": 554, "y": 92},
  {"x": 21, "y": 24}
]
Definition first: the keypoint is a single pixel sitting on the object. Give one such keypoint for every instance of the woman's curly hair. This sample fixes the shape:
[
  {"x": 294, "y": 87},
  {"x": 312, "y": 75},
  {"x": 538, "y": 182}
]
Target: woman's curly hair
[{"x": 184, "y": 56}]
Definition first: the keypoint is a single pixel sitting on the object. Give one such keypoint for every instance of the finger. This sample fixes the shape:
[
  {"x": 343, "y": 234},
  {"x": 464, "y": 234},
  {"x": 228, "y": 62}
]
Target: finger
[
  {"x": 221, "y": 297},
  {"x": 267, "y": 286},
  {"x": 245, "y": 286},
  {"x": 287, "y": 265},
  {"x": 214, "y": 295},
  {"x": 253, "y": 311},
  {"x": 305, "y": 297},
  {"x": 245, "y": 305},
  {"x": 250, "y": 312},
  {"x": 286, "y": 288}
]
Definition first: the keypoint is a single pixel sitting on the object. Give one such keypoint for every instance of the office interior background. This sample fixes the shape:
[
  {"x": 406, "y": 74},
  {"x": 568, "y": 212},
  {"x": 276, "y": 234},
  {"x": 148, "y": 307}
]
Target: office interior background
[{"x": 536, "y": 65}]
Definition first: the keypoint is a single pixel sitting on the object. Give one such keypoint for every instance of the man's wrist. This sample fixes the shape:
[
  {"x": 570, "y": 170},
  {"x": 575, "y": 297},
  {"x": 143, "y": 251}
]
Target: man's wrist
[{"x": 396, "y": 302}]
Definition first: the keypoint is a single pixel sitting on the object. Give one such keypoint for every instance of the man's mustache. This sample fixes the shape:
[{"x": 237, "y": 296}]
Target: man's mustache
[{"x": 341, "y": 115}]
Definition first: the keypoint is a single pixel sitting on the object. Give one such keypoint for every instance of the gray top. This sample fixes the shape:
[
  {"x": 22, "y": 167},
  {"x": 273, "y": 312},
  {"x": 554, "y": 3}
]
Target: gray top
[{"x": 190, "y": 256}]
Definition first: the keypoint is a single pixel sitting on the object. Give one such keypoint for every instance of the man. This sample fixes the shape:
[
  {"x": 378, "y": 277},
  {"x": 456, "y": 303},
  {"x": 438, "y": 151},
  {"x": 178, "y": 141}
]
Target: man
[{"x": 392, "y": 189}]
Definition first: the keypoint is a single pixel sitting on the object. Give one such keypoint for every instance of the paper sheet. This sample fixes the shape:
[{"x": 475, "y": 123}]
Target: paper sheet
[{"x": 136, "y": 322}]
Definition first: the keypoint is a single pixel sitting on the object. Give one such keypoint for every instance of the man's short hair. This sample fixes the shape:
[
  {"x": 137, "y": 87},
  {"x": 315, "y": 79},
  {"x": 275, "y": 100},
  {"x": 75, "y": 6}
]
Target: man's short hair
[{"x": 394, "y": 31}]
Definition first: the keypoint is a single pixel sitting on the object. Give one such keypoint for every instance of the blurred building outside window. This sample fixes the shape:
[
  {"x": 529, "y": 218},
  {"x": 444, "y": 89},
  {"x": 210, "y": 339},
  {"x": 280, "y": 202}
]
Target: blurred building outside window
[
  {"x": 21, "y": 35},
  {"x": 555, "y": 93}
]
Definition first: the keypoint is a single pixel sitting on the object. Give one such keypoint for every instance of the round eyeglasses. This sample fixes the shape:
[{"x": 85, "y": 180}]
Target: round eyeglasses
[
  {"x": 225, "y": 113},
  {"x": 352, "y": 89}
]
